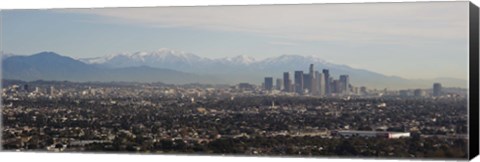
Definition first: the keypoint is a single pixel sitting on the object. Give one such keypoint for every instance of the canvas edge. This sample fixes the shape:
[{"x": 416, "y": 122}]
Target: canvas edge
[
  {"x": 473, "y": 147},
  {"x": 473, "y": 80}
]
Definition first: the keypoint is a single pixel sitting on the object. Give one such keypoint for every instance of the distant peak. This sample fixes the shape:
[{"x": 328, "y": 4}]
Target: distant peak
[
  {"x": 240, "y": 59},
  {"x": 47, "y": 53}
]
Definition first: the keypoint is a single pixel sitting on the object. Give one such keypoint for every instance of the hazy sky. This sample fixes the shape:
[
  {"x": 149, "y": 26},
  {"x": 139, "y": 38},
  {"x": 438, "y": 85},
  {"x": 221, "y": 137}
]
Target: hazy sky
[{"x": 411, "y": 40}]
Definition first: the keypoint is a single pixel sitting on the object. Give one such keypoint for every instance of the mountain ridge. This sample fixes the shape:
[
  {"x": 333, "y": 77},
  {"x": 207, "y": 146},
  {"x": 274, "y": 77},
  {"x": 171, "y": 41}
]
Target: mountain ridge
[
  {"x": 52, "y": 66},
  {"x": 179, "y": 67}
]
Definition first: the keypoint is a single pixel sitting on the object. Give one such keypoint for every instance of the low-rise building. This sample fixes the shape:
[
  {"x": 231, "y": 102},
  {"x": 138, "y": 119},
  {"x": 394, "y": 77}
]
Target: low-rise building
[{"x": 370, "y": 134}]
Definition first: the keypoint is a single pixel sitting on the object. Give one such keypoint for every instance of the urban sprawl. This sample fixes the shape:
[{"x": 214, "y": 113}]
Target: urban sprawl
[{"x": 313, "y": 115}]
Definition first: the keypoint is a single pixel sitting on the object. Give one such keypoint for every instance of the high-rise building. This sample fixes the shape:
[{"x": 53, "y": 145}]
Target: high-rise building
[
  {"x": 306, "y": 82},
  {"x": 437, "y": 89},
  {"x": 299, "y": 82},
  {"x": 268, "y": 83},
  {"x": 320, "y": 80},
  {"x": 287, "y": 83},
  {"x": 344, "y": 84},
  {"x": 326, "y": 73},
  {"x": 336, "y": 86},
  {"x": 330, "y": 86},
  {"x": 311, "y": 69},
  {"x": 279, "y": 84},
  {"x": 313, "y": 83}
]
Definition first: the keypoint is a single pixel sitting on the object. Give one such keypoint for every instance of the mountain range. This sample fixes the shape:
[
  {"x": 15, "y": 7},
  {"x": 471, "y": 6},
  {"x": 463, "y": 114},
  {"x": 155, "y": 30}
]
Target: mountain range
[
  {"x": 52, "y": 66},
  {"x": 172, "y": 66}
]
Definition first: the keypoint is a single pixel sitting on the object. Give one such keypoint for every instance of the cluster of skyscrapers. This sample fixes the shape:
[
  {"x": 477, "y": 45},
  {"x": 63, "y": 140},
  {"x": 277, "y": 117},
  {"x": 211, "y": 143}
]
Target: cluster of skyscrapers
[
  {"x": 313, "y": 83},
  {"x": 322, "y": 83}
]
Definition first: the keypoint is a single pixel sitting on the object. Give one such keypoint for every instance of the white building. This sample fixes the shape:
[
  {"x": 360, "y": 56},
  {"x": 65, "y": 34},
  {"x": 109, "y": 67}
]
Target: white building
[{"x": 383, "y": 134}]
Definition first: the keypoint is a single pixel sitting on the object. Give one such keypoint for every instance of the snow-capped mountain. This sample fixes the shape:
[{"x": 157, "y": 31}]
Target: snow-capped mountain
[
  {"x": 165, "y": 58},
  {"x": 237, "y": 60},
  {"x": 235, "y": 69},
  {"x": 168, "y": 58},
  {"x": 162, "y": 58},
  {"x": 170, "y": 66},
  {"x": 246, "y": 68},
  {"x": 293, "y": 59},
  {"x": 285, "y": 62}
]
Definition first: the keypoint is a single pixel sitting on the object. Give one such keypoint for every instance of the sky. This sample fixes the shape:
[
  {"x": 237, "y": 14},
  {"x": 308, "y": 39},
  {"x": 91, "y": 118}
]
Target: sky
[{"x": 421, "y": 40}]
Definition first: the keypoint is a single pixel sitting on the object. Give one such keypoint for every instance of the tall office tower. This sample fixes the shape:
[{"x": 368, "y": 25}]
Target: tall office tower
[
  {"x": 306, "y": 82},
  {"x": 315, "y": 87},
  {"x": 345, "y": 82},
  {"x": 311, "y": 69},
  {"x": 279, "y": 84},
  {"x": 320, "y": 82},
  {"x": 299, "y": 82},
  {"x": 437, "y": 89},
  {"x": 313, "y": 83},
  {"x": 330, "y": 84},
  {"x": 336, "y": 86},
  {"x": 326, "y": 73},
  {"x": 268, "y": 83},
  {"x": 287, "y": 83}
]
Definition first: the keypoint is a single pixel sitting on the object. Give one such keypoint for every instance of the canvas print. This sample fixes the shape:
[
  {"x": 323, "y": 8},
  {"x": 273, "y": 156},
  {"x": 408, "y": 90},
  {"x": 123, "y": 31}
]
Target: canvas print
[{"x": 369, "y": 80}]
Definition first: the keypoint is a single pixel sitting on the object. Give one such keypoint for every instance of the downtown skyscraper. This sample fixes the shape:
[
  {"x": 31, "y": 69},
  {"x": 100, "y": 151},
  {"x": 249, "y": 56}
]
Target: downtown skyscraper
[
  {"x": 328, "y": 82},
  {"x": 299, "y": 82},
  {"x": 437, "y": 89},
  {"x": 268, "y": 83},
  {"x": 287, "y": 82},
  {"x": 313, "y": 80},
  {"x": 344, "y": 84},
  {"x": 320, "y": 80}
]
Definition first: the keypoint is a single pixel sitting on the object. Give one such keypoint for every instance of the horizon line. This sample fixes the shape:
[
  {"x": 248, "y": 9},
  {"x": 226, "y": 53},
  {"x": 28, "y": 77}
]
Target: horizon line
[{"x": 10, "y": 54}]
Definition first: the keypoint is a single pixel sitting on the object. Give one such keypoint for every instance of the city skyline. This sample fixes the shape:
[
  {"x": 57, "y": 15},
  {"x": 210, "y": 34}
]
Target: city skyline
[
  {"x": 136, "y": 117},
  {"x": 103, "y": 59},
  {"x": 363, "y": 37},
  {"x": 322, "y": 84},
  {"x": 174, "y": 67}
]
